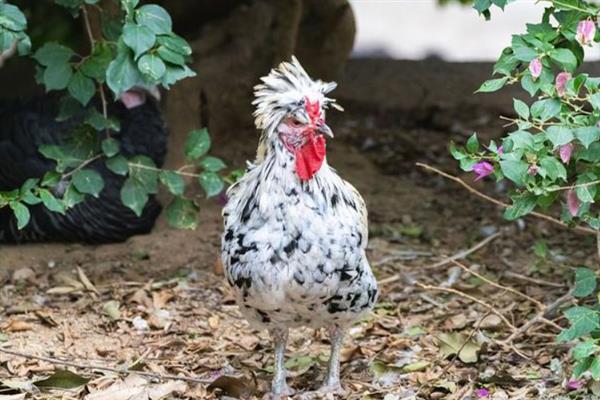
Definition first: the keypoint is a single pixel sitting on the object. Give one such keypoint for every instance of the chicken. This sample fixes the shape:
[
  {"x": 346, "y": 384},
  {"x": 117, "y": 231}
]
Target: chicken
[
  {"x": 295, "y": 233},
  {"x": 25, "y": 125}
]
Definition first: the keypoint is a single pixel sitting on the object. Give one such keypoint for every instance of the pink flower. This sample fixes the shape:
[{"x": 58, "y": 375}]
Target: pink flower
[
  {"x": 535, "y": 67},
  {"x": 500, "y": 150},
  {"x": 482, "y": 393},
  {"x": 565, "y": 152},
  {"x": 573, "y": 203},
  {"x": 561, "y": 82},
  {"x": 574, "y": 384},
  {"x": 586, "y": 30},
  {"x": 483, "y": 169},
  {"x": 533, "y": 170}
]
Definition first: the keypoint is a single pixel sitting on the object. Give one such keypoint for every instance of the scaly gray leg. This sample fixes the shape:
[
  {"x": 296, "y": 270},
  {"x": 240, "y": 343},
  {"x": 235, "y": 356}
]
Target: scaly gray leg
[
  {"x": 279, "y": 387},
  {"x": 332, "y": 382}
]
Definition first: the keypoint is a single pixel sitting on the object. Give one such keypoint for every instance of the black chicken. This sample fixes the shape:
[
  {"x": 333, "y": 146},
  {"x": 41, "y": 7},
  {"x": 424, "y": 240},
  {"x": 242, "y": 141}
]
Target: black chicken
[{"x": 25, "y": 125}]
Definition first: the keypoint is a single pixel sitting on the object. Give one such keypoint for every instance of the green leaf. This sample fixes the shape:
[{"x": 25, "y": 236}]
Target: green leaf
[
  {"x": 492, "y": 85},
  {"x": 545, "y": 109},
  {"x": 51, "y": 179},
  {"x": 81, "y": 88},
  {"x": 170, "y": 56},
  {"x": 57, "y": 76},
  {"x": 559, "y": 135},
  {"x": 175, "y": 43},
  {"x": 554, "y": 168},
  {"x": 584, "y": 349},
  {"x": 175, "y": 74},
  {"x": 182, "y": 213},
  {"x": 12, "y": 18},
  {"x": 99, "y": 122},
  {"x": 586, "y": 193},
  {"x": 521, "y": 206},
  {"x": 521, "y": 108},
  {"x": 110, "y": 147},
  {"x": 595, "y": 368},
  {"x": 585, "y": 282},
  {"x": 212, "y": 164},
  {"x": 72, "y": 197},
  {"x": 529, "y": 85},
  {"x": 21, "y": 213},
  {"x": 583, "y": 321},
  {"x": 173, "y": 181},
  {"x": 565, "y": 58},
  {"x": 68, "y": 108},
  {"x": 521, "y": 140},
  {"x": 197, "y": 144},
  {"x": 139, "y": 38},
  {"x": 472, "y": 144},
  {"x": 134, "y": 195},
  {"x": 155, "y": 18},
  {"x": 515, "y": 170},
  {"x": 152, "y": 66},
  {"x": 118, "y": 164},
  {"x": 88, "y": 181},
  {"x": 96, "y": 65},
  {"x": 62, "y": 379},
  {"x": 143, "y": 169},
  {"x": 587, "y": 135},
  {"x": 52, "y": 53},
  {"x": 211, "y": 183},
  {"x": 51, "y": 202},
  {"x": 122, "y": 74}
]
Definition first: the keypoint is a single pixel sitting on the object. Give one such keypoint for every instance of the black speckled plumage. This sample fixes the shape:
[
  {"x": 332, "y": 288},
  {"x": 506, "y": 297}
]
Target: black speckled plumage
[{"x": 27, "y": 124}]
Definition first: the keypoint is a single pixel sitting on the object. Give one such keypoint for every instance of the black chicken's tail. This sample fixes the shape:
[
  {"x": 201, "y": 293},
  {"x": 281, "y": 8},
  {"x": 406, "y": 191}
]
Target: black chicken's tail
[{"x": 24, "y": 126}]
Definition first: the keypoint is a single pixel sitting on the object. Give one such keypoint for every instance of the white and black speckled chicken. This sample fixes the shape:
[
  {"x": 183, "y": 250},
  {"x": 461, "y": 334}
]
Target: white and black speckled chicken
[{"x": 295, "y": 232}]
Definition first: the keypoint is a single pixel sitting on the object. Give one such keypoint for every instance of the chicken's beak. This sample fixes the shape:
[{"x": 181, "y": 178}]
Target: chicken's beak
[{"x": 325, "y": 130}]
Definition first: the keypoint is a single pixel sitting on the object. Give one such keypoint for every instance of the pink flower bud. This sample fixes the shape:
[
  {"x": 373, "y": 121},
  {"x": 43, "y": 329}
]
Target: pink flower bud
[
  {"x": 561, "y": 82},
  {"x": 483, "y": 169},
  {"x": 573, "y": 203},
  {"x": 565, "y": 152},
  {"x": 574, "y": 384},
  {"x": 535, "y": 67},
  {"x": 586, "y": 30},
  {"x": 500, "y": 150},
  {"x": 533, "y": 170},
  {"x": 482, "y": 393}
]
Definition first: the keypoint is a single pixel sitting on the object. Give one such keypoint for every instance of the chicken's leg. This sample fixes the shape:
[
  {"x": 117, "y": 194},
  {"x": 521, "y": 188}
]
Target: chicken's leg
[
  {"x": 279, "y": 388},
  {"x": 332, "y": 382}
]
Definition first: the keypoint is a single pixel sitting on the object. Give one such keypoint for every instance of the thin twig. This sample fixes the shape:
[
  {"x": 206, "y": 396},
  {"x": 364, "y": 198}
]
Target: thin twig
[
  {"x": 88, "y": 27},
  {"x": 467, "y": 296},
  {"x": 499, "y": 286},
  {"x": 56, "y": 361},
  {"x": 537, "y": 281},
  {"x": 476, "y": 192},
  {"x": 82, "y": 165},
  {"x": 460, "y": 255},
  {"x": 539, "y": 317},
  {"x": 464, "y": 253}
]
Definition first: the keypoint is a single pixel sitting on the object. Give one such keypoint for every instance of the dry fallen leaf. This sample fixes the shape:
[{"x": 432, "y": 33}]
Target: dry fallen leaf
[
  {"x": 232, "y": 386},
  {"x": 17, "y": 325},
  {"x": 160, "y": 299},
  {"x": 451, "y": 343},
  {"x": 213, "y": 322},
  {"x": 86, "y": 281}
]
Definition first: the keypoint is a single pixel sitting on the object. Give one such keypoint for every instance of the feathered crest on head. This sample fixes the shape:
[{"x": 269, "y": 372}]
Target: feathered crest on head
[{"x": 284, "y": 90}]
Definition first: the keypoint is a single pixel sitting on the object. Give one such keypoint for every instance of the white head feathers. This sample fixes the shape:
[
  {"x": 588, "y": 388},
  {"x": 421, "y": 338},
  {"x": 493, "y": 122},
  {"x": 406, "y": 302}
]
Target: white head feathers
[{"x": 285, "y": 90}]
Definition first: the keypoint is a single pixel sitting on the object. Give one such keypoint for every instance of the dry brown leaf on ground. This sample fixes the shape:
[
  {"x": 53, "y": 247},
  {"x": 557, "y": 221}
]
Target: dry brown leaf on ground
[
  {"x": 18, "y": 325},
  {"x": 135, "y": 387}
]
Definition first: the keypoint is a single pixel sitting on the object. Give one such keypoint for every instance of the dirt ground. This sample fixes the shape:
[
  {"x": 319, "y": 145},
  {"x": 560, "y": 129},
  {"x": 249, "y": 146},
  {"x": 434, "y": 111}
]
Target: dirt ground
[{"x": 155, "y": 303}]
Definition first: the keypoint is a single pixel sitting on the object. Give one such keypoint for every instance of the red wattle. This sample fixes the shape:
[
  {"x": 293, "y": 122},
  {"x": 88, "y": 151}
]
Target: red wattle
[{"x": 309, "y": 158}]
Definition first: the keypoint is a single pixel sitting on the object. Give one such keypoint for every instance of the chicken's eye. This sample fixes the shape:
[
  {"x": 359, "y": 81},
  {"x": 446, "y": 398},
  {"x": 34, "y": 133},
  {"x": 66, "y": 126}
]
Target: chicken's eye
[{"x": 295, "y": 122}]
